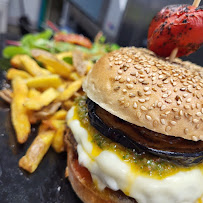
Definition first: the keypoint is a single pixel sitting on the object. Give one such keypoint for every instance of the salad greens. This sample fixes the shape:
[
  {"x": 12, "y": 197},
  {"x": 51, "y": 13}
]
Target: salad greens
[{"x": 43, "y": 41}]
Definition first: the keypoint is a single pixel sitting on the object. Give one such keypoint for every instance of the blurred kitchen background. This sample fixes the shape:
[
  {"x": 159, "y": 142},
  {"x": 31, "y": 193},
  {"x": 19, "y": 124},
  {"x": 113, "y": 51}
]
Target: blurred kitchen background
[{"x": 122, "y": 21}]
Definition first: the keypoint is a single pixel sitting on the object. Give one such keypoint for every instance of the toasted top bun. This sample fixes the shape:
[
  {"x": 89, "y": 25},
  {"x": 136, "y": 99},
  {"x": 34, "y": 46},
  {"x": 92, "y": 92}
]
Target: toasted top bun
[{"x": 137, "y": 86}]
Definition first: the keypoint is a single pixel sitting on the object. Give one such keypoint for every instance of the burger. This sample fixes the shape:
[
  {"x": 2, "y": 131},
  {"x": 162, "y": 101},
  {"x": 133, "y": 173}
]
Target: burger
[{"x": 137, "y": 134}]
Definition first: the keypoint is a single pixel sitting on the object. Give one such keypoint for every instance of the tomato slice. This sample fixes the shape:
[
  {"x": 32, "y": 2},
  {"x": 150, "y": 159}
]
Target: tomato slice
[
  {"x": 176, "y": 26},
  {"x": 74, "y": 39}
]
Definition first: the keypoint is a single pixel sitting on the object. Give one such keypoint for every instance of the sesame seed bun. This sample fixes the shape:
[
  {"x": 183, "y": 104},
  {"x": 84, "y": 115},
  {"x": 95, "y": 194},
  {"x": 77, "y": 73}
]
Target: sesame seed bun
[{"x": 137, "y": 86}]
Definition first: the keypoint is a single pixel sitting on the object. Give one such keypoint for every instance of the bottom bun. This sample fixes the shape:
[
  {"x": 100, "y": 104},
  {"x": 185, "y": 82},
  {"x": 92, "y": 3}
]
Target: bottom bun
[{"x": 81, "y": 181}]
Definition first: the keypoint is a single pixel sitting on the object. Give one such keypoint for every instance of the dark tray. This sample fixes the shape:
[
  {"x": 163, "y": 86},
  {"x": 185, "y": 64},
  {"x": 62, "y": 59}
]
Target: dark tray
[{"x": 47, "y": 184}]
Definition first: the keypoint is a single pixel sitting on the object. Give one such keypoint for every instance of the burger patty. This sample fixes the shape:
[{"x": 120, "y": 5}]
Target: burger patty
[
  {"x": 181, "y": 151},
  {"x": 82, "y": 183}
]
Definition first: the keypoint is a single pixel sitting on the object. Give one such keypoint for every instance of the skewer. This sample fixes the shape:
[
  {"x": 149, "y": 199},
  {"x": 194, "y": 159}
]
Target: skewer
[
  {"x": 196, "y": 3},
  {"x": 175, "y": 51},
  {"x": 173, "y": 54}
]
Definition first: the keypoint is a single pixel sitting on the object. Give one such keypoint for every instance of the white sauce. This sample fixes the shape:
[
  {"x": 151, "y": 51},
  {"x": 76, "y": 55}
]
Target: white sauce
[{"x": 108, "y": 170}]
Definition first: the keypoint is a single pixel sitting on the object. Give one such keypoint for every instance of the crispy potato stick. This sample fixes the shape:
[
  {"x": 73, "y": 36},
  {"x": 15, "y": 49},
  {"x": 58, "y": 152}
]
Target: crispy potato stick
[
  {"x": 19, "y": 114},
  {"x": 70, "y": 90},
  {"x": 48, "y": 110},
  {"x": 44, "y": 99},
  {"x": 16, "y": 61},
  {"x": 44, "y": 81},
  {"x": 13, "y": 73},
  {"x": 37, "y": 150},
  {"x": 32, "y": 67},
  {"x": 68, "y": 104},
  {"x": 48, "y": 59},
  {"x": 59, "y": 115},
  {"x": 6, "y": 95},
  {"x": 62, "y": 55},
  {"x": 58, "y": 143}
]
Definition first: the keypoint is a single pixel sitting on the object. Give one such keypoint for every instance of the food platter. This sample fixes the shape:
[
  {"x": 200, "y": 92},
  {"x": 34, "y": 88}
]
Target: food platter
[{"x": 47, "y": 184}]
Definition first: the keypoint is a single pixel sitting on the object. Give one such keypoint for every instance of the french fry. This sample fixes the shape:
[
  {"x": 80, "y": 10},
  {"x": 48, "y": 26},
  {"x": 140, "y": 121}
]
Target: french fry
[
  {"x": 58, "y": 143},
  {"x": 33, "y": 93},
  {"x": 16, "y": 61},
  {"x": 13, "y": 73},
  {"x": 70, "y": 90},
  {"x": 74, "y": 76},
  {"x": 59, "y": 127},
  {"x": 44, "y": 81},
  {"x": 19, "y": 114},
  {"x": 44, "y": 99},
  {"x": 48, "y": 59},
  {"x": 62, "y": 55},
  {"x": 32, "y": 67},
  {"x": 68, "y": 104},
  {"x": 37, "y": 150},
  {"x": 59, "y": 115},
  {"x": 50, "y": 69}
]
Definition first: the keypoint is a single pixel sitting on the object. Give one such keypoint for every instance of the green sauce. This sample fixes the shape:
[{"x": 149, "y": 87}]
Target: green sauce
[{"x": 146, "y": 163}]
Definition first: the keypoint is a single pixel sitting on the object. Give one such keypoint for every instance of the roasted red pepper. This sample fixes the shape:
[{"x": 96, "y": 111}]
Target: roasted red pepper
[
  {"x": 74, "y": 39},
  {"x": 176, "y": 26}
]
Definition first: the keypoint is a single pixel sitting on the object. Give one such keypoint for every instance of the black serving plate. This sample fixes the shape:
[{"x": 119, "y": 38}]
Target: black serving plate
[{"x": 46, "y": 185}]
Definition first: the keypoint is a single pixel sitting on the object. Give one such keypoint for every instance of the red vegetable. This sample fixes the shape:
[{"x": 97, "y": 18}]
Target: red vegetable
[
  {"x": 176, "y": 26},
  {"x": 74, "y": 39}
]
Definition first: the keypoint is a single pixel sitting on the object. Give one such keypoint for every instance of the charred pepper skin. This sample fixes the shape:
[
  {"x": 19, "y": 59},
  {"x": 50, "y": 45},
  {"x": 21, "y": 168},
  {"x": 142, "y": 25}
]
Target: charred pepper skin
[{"x": 176, "y": 26}]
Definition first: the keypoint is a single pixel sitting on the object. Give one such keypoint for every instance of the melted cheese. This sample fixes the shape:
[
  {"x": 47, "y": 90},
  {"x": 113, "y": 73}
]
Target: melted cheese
[{"x": 109, "y": 170}]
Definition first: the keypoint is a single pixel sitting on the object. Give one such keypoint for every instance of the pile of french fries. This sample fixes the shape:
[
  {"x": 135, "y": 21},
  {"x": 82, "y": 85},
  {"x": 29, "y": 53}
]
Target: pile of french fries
[{"x": 43, "y": 94}]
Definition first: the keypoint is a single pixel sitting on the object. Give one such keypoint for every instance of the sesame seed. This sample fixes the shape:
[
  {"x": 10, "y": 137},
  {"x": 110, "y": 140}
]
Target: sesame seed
[
  {"x": 149, "y": 118},
  {"x": 128, "y": 80},
  {"x": 143, "y": 108},
  {"x": 148, "y": 93},
  {"x": 117, "y": 88},
  {"x": 185, "y": 95},
  {"x": 168, "y": 101},
  {"x": 195, "y": 120},
  {"x": 194, "y": 138},
  {"x": 175, "y": 109},
  {"x": 131, "y": 95},
  {"x": 186, "y": 106},
  {"x": 173, "y": 123},
  {"x": 120, "y": 71},
  {"x": 134, "y": 105},
  {"x": 139, "y": 114},
  {"x": 198, "y": 105},
  {"x": 146, "y": 89},
  {"x": 129, "y": 86},
  {"x": 141, "y": 80},
  {"x": 168, "y": 128},
  {"x": 126, "y": 105},
  {"x": 165, "y": 95},
  {"x": 163, "y": 107},
  {"x": 147, "y": 99},
  {"x": 141, "y": 100},
  {"x": 181, "y": 113},
  {"x": 139, "y": 93},
  {"x": 155, "y": 123},
  {"x": 186, "y": 131},
  {"x": 198, "y": 114},
  {"x": 188, "y": 100},
  {"x": 117, "y": 78},
  {"x": 124, "y": 91},
  {"x": 163, "y": 122}
]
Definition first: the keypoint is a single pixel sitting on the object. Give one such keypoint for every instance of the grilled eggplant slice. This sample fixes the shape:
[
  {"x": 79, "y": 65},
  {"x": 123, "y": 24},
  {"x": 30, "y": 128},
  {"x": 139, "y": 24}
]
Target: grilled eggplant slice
[{"x": 181, "y": 151}]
